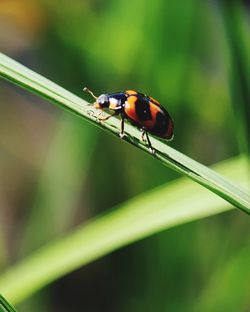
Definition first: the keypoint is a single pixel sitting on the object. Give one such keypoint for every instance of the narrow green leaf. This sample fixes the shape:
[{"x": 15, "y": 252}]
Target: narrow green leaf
[
  {"x": 176, "y": 203},
  {"x": 5, "y": 306},
  {"x": 34, "y": 82}
]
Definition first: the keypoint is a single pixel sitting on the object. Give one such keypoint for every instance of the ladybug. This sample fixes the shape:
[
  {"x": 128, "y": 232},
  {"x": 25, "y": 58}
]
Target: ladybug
[{"x": 141, "y": 110}]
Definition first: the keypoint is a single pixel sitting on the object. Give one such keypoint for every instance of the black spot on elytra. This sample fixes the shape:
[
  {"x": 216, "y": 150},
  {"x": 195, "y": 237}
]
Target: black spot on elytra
[
  {"x": 161, "y": 125},
  {"x": 161, "y": 120},
  {"x": 142, "y": 108}
]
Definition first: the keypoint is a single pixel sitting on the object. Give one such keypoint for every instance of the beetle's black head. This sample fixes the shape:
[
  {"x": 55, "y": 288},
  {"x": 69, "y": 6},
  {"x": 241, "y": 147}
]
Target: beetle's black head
[{"x": 102, "y": 101}]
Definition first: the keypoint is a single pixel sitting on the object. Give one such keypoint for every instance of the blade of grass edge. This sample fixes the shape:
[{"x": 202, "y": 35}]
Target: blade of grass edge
[
  {"x": 136, "y": 219},
  {"x": 5, "y": 306},
  {"x": 26, "y": 78}
]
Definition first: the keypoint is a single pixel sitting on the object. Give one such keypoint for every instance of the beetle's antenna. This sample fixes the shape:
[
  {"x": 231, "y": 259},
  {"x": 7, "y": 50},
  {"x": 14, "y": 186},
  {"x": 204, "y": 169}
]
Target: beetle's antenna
[{"x": 85, "y": 89}]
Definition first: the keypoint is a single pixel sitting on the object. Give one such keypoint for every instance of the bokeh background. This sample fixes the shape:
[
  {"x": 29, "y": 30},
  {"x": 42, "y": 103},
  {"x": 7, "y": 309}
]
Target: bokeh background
[{"x": 57, "y": 171}]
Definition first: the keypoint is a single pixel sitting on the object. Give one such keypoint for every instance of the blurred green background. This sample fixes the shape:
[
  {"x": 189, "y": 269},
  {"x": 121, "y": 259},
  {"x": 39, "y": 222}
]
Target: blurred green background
[{"x": 57, "y": 171}]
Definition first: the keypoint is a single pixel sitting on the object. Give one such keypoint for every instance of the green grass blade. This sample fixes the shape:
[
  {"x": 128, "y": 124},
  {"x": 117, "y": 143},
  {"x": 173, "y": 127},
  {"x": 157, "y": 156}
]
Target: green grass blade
[
  {"x": 176, "y": 203},
  {"x": 34, "y": 82},
  {"x": 237, "y": 32},
  {"x": 5, "y": 306}
]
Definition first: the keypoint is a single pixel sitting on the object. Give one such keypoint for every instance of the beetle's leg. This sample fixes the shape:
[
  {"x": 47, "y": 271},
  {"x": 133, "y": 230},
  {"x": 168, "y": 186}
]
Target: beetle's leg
[
  {"x": 122, "y": 134},
  {"x": 105, "y": 118},
  {"x": 145, "y": 133},
  {"x": 116, "y": 111}
]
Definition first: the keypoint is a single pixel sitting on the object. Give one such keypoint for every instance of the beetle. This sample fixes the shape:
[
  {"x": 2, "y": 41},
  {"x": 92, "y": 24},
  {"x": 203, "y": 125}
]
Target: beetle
[{"x": 141, "y": 110}]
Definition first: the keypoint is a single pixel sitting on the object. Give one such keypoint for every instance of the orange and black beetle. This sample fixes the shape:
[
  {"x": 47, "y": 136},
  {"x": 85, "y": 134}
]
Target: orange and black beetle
[{"x": 141, "y": 110}]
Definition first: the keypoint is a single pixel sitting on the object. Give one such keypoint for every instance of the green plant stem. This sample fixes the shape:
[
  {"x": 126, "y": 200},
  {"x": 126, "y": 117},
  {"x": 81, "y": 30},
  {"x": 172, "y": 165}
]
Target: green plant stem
[{"x": 26, "y": 78}]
